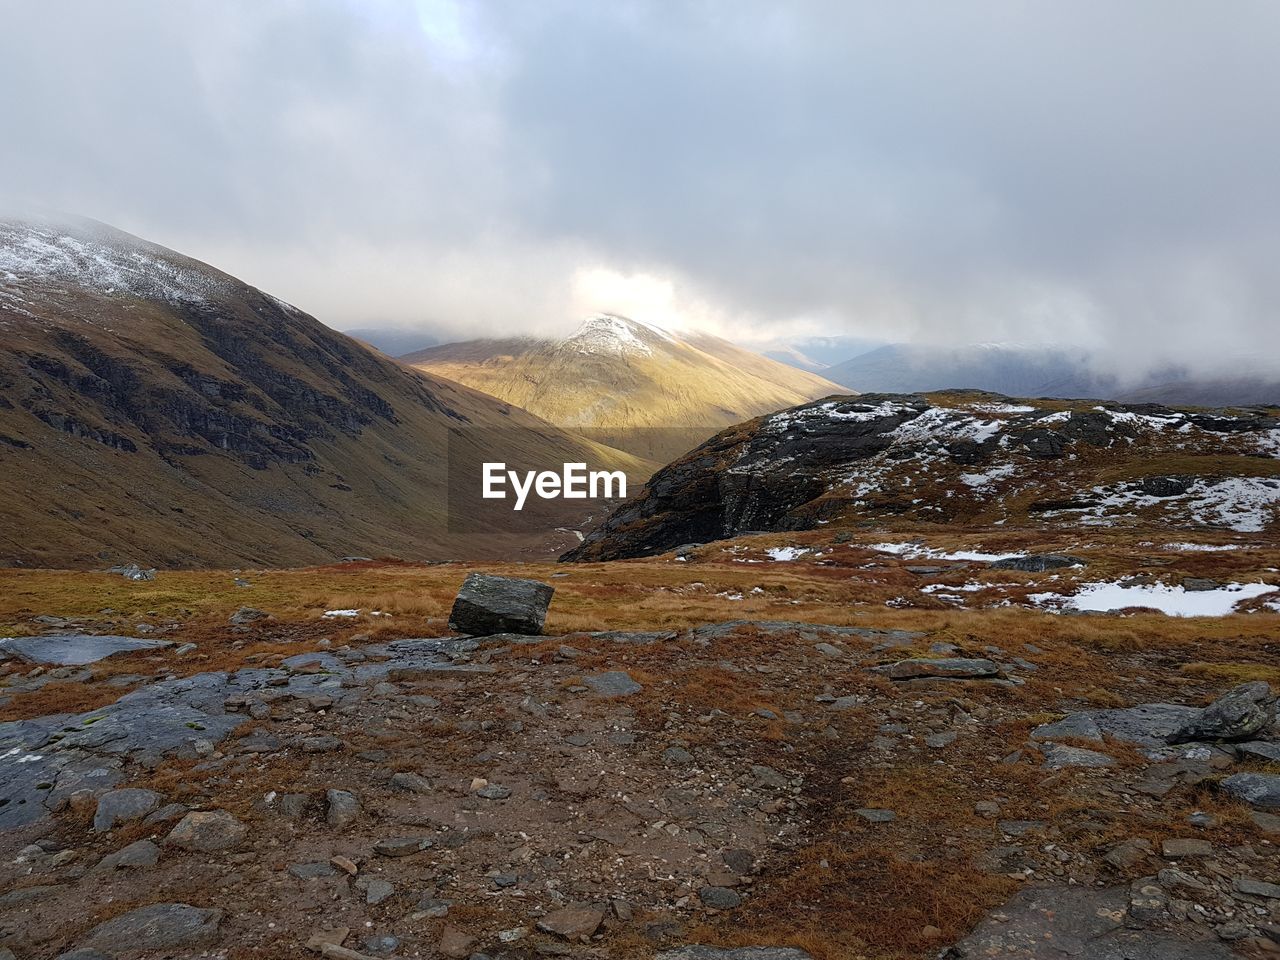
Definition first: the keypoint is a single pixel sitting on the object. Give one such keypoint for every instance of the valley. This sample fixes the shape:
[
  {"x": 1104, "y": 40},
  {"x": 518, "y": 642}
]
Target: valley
[
  {"x": 832, "y": 744},
  {"x": 158, "y": 410}
]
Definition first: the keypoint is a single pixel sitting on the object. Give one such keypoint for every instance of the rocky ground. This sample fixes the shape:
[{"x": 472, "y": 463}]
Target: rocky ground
[{"x": 835, "y": 764}]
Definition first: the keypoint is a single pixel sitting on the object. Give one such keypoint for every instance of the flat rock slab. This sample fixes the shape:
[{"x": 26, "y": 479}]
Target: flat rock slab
[
  {"x": 161, "y": 926},
  {"x": 952, "y": 667},
  {"x": 1058, "y": 922},
  {"x": 612, "y": 683},
  {"x": 74, "y": 649},
  {"x": 1261, "y": 790},
  {"x": 1148, "y": 725}
]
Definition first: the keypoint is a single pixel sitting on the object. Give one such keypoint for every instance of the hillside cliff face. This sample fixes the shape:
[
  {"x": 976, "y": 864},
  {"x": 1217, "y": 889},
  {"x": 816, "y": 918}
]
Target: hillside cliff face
[
  {"x": 156, "y": 409},
  {"x": 957, "y": 458},
  {"x": 654, "y": 393}
]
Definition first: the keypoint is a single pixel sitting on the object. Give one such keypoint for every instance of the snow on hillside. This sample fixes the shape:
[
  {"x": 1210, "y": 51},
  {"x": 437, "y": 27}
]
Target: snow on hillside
[{"x": 111, "y": 262}]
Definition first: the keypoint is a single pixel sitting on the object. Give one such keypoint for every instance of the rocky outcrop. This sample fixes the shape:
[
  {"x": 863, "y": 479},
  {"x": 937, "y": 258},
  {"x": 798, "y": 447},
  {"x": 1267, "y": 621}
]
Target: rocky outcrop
[{"x": 943, "y": 458}]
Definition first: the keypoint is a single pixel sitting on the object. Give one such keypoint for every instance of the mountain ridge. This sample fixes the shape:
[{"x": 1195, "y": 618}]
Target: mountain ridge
[
  {"x": 159, "y": 410},
  {"x": 627, "y": 383}
]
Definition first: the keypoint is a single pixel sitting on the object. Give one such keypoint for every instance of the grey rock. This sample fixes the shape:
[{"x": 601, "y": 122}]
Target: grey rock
[
  {"x": 1257, "y": 888},
  {"x": 612, "y": 683},
  {"x": 493, "y": 791},
  {"x": 1200, "y": 584},
  {"x": 719, "y": 898},
  {"x": 247, "y": 615},
  {"x": 131, "y": 571},
  {"x": 74, "y": 649},
  {"x": 140, "y": 853},
  {"x": 678, "y": 756},
  {"x": 946, "y": 667},
  {"x": 1078, "y": 725},
  {"x": 489, "y": 604},
  {"x": 161, "y": 926},
  {"x": 342, "y": 808},
  {"x": 207, "y": 831},
  {"x": 396, "y": 847},
  {"x": 122, "y": 806},
  {"x": 876, "y": 816},
  {"x": 167, "y": 814},
  {"x": 937, "y": 741},
  {"x": 1055, "y": 922},
  {"x": 375, "y": 890},
  {"x": 1058, "y": 756},
  {"x": 410, "y": 783},
  {"x": 1147, "y": 725},
  {"x": 1262, "y": 749},
  {"x": 1182, "y": 848},
  {"x": 1236, "y": 715},
  {"x": 1038, "y": 562},
  {"x": 1260, "y": 790}
]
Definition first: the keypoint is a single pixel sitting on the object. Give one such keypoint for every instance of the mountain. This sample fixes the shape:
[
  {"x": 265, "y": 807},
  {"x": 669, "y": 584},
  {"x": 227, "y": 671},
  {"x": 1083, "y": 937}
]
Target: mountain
[
  {"x": 818, "y": 353},
  {"x": 392, "y": 341},
  {"x": 626, "y": 383},
  {"x": 959, "y": 459},
  {"x": 1043, "y": 371},
  {"x": 157, "y": 410}
]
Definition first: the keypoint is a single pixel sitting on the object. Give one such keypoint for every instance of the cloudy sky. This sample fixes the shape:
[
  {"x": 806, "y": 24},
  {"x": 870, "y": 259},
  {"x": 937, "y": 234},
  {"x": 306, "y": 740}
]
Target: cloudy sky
[{"x": 1082, "y": 172}]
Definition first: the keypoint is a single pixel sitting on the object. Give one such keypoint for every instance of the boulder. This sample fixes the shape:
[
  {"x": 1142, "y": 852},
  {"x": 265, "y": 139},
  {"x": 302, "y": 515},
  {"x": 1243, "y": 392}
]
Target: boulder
[
  {"x": 1236, "y": 715},
  {"x": 488, "y": 604}
]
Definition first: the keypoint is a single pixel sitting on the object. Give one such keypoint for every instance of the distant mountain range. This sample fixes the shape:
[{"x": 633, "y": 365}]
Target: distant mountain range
[
  {"x": 626, "y": 383},
  {"x": 392, "y": 341},
  {"x": 1036, "y": 371},
  {"x": 157, "y": 410}
]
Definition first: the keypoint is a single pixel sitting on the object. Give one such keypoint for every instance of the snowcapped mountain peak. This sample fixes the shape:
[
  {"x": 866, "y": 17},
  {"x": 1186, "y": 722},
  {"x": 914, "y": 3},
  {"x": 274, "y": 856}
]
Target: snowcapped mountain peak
[{"x": 607, "y": 333}]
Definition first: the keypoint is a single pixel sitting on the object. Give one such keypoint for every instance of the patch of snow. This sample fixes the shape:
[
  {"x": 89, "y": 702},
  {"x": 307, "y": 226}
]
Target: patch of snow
[
  {"x": 912, "y": 551},
  {"x": 988, "y": 477},
  {"x": 1243, "y": 504},
  {"x": 1201, "y": 547},
  {"x": 786, "y": 553},
  {"x": 1010, "y": 408},
  {"x": 1171, "y": 600},
  {"x": 338, "y": 614},
  {"x": 111, "y": 262}
]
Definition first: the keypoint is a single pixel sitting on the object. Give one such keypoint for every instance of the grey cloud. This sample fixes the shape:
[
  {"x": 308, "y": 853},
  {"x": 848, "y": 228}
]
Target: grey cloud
[{"x": 1086, "y": 173}]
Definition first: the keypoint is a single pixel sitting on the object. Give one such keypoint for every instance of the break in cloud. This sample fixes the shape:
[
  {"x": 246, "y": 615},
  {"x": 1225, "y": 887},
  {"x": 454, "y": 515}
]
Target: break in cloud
[{"x": 1080, "y": 172}]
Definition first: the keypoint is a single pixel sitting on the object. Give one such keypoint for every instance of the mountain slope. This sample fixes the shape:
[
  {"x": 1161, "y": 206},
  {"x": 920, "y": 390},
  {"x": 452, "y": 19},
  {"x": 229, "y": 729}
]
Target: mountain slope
[
  {"x": 958, "y": 459},
  {"x": 626, "y": 383},
  {"x": 1037, "y": 371},
  {"x": 155, "y": 409}
]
